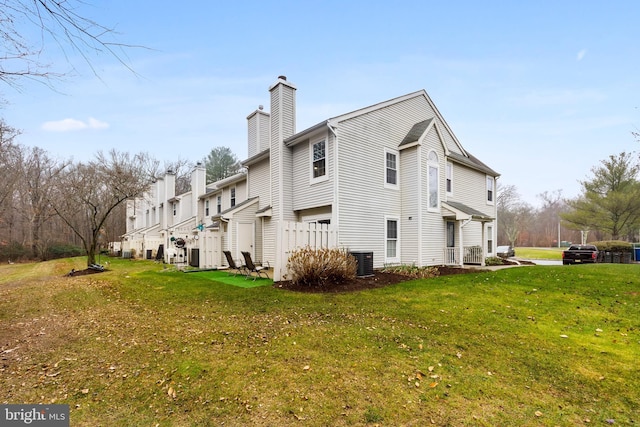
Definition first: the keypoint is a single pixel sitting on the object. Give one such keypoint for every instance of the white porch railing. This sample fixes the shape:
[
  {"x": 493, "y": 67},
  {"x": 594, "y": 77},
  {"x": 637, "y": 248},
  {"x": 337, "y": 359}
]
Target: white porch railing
[{"x": 472, "y": 255}]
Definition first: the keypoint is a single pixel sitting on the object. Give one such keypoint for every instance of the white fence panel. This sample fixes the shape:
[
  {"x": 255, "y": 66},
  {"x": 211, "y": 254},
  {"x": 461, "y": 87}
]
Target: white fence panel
[{"x": 294, "y": 235}]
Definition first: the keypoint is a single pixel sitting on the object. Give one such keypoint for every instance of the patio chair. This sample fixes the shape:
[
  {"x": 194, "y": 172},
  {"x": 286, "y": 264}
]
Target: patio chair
[
  {"x": 252, "y": 268},
  {"x": 239, "y": 269}
]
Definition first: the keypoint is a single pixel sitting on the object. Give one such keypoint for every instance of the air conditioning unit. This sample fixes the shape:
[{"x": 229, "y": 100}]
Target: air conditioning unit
[{"x": 365, "y": 263}]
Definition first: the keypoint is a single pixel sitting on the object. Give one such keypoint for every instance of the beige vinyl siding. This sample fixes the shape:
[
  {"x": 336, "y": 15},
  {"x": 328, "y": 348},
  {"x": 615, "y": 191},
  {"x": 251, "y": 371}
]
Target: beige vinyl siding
[
  {"x": 263, "y": 137},
  {"x": 433, "y": 225},
  {"x": 259, "y": 183},
  {"x": 269, "y": 241},
  {"x": 410, "y": 193},
  {"x": 308, "y": 194},
  {"x": 252, "y": 135},
  {"x": 245, "y": 216},
  {"x": 275, "y": 154},
  {"x": 364, "y": 202},
  {"x": 470, "y": 188}
]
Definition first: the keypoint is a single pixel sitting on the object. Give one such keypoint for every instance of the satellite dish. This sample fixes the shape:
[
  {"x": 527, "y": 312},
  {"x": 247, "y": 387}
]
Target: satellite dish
[{"x": 179, "y": 242}]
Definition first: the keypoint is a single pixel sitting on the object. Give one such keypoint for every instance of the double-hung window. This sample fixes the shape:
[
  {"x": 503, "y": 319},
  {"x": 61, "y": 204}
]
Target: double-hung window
[
  {"x": 391, "y": 169},
  {"x": 392, "y": 239},
  {"x": 219, "y": 204},
  {"x": 233, "y": 197},
  {"x": 434, "y": 184},
  {"x": 489, "y": 240},
  {"x": 206, "y": 208},
  {"x": 319, "y": 159},
  {"x": 490, "y": 190},
  {"x": 449, "y": 178}
]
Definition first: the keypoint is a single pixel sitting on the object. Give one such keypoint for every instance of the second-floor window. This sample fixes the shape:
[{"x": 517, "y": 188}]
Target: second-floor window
[
  {"x": 206, "y": 208},
  {"x": 490, "y": 195},
  {"x": 319, "y": 160},
  {"x": 174, "y": 207},
  {"x": 219, "y": 204},
  {"x": 233, "y": 197},
  {"x": 434, "y": 184},
  {"x": 449, "y": 178},
  {"x": 391, "y": 168}
]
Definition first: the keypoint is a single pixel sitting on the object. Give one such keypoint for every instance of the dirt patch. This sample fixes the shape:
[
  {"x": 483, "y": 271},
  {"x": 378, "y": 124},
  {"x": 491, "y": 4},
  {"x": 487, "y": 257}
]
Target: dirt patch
[{"x": 380, "y": 279}]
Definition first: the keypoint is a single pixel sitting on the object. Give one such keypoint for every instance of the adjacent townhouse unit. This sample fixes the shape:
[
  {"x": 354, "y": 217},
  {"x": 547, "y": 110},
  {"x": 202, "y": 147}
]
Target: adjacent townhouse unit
[{"x": 389, "y": 179}]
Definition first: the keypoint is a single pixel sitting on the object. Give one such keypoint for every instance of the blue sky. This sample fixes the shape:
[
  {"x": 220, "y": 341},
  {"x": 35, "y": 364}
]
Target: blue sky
[{"x": 540, "y": 91}]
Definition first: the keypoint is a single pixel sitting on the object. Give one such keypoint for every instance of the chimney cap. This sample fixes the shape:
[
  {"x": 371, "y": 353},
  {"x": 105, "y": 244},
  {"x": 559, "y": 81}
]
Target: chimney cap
[{"x": 283, "y": 78}]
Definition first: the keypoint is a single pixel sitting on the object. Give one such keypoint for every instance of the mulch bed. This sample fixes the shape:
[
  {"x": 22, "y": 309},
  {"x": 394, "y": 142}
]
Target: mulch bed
[{"x": 378, "y": 280}]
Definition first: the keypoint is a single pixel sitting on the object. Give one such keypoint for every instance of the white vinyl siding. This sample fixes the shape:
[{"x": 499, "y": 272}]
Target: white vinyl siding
[
  {"x": 433, "y": 172},
  {"x": 309, "y": 193},
  {"x": 259, "y": 183},
  {"x": 392, "y": 240},
  {"x": 410, "y": 173},
  {"x": 363, "y": 199},
  {"x": 491, "y": 193},
  {"x": 391, "y": 165},
  {"x": 433, "y": 225},
  {"x": 318, "y": 160}
]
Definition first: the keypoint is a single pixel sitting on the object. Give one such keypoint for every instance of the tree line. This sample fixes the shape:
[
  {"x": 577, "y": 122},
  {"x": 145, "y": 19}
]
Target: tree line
[
  {"x": 51, "y": 208},
  {"x": 608, "y": 208}
]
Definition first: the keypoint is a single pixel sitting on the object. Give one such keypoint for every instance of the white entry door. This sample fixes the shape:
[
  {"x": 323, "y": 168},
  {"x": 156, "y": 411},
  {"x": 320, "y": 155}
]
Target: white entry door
[{"x": 245, "y": 238}]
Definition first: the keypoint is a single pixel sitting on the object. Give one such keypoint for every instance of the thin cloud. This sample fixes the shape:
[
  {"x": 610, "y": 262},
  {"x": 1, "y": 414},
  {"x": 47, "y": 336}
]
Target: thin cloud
[
  {"x": 70, "y": 125},
  {"x": 581, "y": 54}
]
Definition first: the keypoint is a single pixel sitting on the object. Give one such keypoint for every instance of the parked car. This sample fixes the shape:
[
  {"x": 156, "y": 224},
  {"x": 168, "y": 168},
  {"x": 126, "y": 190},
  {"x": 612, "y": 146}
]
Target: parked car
[
  {"x": 580, "y": 254},
  {"x": 505, "y": 251}
]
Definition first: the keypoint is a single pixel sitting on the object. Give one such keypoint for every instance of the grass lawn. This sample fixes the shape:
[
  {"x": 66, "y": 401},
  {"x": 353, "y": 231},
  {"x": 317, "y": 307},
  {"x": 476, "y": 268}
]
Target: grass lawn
[
  {"x": 539, "y": 253},
  {"x": 140, "y": 345}
]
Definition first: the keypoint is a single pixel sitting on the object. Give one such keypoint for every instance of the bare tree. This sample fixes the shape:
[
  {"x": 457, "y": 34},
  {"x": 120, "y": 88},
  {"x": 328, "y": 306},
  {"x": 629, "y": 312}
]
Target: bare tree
[
  {"x": 90, "y": 192},
  {"x": 38, "y": 179},
  {"x": 182, "y": 168},
  {"x": 514, "y": 215},
  {"x": 60, "y": 22}
]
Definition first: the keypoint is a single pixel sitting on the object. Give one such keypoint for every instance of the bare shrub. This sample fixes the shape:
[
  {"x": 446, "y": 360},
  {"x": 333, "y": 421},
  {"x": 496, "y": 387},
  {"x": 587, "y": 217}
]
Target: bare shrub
[
  {"x": 315, "y": 267},
  {"x": 412, "y": 271}
]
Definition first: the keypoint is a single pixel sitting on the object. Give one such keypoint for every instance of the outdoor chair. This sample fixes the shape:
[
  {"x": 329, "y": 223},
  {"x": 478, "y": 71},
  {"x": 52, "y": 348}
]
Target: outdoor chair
[
  {"x": 252, "y": 268},
  {"x": 239, "y": 269}
]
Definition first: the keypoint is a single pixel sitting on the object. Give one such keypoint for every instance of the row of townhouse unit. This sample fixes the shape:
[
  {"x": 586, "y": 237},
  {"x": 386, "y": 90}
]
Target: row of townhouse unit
[{"x": 390, "y": 179}]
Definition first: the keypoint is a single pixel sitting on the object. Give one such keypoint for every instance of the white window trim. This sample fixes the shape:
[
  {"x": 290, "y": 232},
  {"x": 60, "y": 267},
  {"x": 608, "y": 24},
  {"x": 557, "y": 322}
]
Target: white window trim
[
  {"x": 312, "y": 179},
  {"x": 233, "y": 201},
  {"x": 449, "y": 177},
  {"x": 218, "y": 203},
  {"x": 396, "y": 259},
  {"x": 490, "y": 237},
  {"x": 493, "y": 190},
  {"x": 395, "y": 186},
  {"x": 436, "y": 165}
]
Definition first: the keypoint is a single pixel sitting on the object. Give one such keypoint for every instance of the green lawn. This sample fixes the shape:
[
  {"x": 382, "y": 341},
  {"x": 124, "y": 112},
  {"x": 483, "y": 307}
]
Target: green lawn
[
  {"x": 140, "y": 345},
  {"x": 539, "y": 253}
]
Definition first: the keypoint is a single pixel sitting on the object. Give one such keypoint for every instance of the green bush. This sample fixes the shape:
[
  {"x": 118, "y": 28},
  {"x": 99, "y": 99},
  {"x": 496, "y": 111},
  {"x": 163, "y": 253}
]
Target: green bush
[
  {"x": 316, "y": 267},
  {"x": 62, "y": 250},
  {"x": 12, "y": 251},
  {"x": 613, "y": 246},
  {"x": 494, "y": 260}
]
